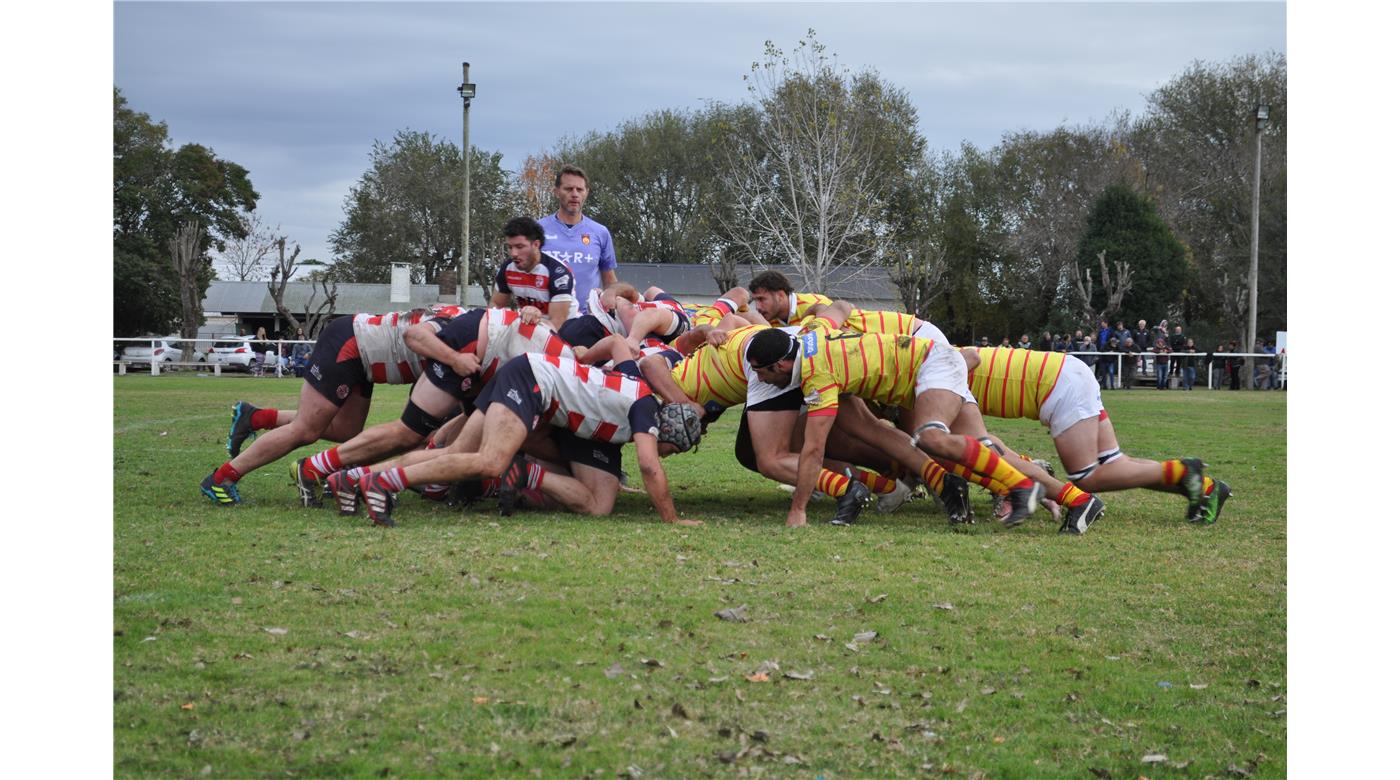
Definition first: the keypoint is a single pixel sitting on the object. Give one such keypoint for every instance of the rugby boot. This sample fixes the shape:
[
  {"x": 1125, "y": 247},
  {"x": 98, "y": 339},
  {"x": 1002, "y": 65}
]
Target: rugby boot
[
  {"x": 955, "y": 500},
  {"x": 1079, "y": 518},
  {"x": 1213, "y": 503},
  {"x": 379, "y": 503},
  {"x": 346, "y": 492},
  {"x": 1023, "y": 502},
  {"x": 1192, "y": 483},
  {"x": 241, "y": 428},
  {"x": 309, "y": 490},
  {"x": 513, "y": 479},
  {"x": 888, "y": 502},
  {"x": 849, "y": 505},
  {"x": 222, "y": 494}
]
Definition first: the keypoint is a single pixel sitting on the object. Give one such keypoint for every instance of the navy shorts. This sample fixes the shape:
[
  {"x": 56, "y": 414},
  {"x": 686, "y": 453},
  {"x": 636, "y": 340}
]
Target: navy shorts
[
  {"x": 515, "y": 387},
  {"x": 445, "y": 379},
  {"x": 601, "y": 455},
  {"x": 583, "y": 331},
  {"x": 331, "y": 371}
]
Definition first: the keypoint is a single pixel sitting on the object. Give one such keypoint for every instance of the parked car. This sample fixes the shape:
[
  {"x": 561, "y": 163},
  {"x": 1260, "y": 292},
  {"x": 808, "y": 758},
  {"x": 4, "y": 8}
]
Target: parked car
[
  {"x": 234, "y": 352},
  {"x": 166, "y": 350}
]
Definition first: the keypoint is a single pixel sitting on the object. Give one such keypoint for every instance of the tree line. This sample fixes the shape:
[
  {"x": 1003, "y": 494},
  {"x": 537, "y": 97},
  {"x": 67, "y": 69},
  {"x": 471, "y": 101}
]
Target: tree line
[{"x": 1135, "y": 216}]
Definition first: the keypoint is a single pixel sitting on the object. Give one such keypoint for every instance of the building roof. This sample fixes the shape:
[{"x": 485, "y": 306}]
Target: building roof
[
  {"x": 253, "y": 297},
  {"x": 689, "y": 280}
]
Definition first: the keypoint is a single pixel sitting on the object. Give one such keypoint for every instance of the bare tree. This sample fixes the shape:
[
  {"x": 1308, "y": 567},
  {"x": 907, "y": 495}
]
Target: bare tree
[
  {"x": 1115, "y": 289},
  {"x": 314, "y": 313},
  {"x": 916, "y": 274},
  {"x": 807, "y": 188},
  {"x": 245, "y": 258},
  {"x": 188, "y": 260}
]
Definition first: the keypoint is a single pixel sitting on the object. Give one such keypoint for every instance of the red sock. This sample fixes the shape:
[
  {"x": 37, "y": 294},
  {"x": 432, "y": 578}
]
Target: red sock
[
  {"x": 1071, "y": 495},
  {"x": 533, "y": 476},
  {"x": 392, "y": 480},
  {"x": 264, "y": 419},
  {"x": 226, "y": 474},
  {"x": 321, "y": 464}
]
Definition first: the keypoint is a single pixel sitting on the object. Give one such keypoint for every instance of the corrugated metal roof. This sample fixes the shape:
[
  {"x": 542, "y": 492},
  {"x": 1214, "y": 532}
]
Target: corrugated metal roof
[
  {"x": 225, "y": 297},
  {"x": 695, "y": 281}
]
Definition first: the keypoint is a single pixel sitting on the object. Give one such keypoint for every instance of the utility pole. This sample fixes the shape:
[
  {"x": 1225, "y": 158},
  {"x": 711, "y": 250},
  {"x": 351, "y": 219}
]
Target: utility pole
[
  {"x": 1261, "y": 118},
  {"x": 468, "y": 91}
]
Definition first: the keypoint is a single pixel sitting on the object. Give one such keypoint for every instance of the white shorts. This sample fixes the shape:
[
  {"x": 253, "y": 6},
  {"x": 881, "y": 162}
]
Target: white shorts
[
  {"x": 944, "y": 369},
  {"x": 1076, "y": 397},
  {"x": 927, "y": 330}
]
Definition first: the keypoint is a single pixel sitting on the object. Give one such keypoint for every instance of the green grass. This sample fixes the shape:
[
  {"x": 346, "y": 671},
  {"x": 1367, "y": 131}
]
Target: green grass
[{"x": 462, "y": 643}]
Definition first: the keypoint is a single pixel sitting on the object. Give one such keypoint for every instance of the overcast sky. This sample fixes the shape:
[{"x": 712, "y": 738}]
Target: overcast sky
[{"x": 298, "y": 92}]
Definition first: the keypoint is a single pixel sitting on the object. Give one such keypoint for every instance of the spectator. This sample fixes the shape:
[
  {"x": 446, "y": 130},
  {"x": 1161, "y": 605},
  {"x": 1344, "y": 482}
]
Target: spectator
[
  {"x": 301, "y": 353},
  {"x": 1232, "y": 364},
  {"x": 1108, "y": 362},
  {"x": 1024, "y": 343},
  {"x": 1188, "y": 363},
  {"x": 1142, "y": 337},
  {"x": 985, "y": 342},
  {"x": 1059, "y": 344},
  {"x": 1131, "y": 353},
  {"x": 1105, "y": 333},
  {"x": 1083, "y": 349},
  {"x": 1121, "y": 332},
  {"x": 1177, "y": 342},
  {"x": 1263, "y": 368},
  {"x": 1046, "y": 344},
  {"x": 1005, "y": 342},
  {"x": 1160, "y": 361}
]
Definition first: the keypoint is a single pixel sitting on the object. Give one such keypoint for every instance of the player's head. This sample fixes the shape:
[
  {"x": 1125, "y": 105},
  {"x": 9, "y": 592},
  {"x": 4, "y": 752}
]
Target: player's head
[
  {"x": 524, "y": 237},
  {"x": 679, "y": 426},
  {"x": 770, "y": 354},
  {"x": 571, "y": 189},
  {"x": 770, "y": 291}
]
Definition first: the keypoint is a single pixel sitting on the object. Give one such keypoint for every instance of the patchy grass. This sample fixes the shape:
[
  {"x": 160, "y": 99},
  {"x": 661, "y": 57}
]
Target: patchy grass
[{"x": 266, "y": 639}]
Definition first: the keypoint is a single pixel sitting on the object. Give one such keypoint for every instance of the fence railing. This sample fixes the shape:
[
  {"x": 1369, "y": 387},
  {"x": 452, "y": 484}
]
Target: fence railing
[
  {"x": 1276, "y": 377},
  {"x": 202, "y": 356}
]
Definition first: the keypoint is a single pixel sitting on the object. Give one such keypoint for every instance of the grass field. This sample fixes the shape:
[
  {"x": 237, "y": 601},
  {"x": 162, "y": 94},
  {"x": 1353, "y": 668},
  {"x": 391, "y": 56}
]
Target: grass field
[{"x": 270, "y": 640}]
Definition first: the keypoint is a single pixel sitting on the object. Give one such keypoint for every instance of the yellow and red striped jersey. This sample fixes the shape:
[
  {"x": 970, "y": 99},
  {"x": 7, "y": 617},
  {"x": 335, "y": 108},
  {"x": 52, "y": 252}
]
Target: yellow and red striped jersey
[
  {"x": 717, "y": 373},
  {"x": 711, "y": 314},
  {"x": 890, "y": 323},
  {"x": 873, "y": 366},
  {"x": 1013, "y": 382}
]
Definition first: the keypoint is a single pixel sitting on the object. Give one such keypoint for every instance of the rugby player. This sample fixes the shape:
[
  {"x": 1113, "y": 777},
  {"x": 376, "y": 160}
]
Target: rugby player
[
  {"x": 1065, "y": 397},
  {"x": 352, "y": 354},
  {"x": 912, "y": 373},
  {"x": 483, "y": 339},
  {"x": 601, "y": 410},
  {"x": 532, "y": 278}
]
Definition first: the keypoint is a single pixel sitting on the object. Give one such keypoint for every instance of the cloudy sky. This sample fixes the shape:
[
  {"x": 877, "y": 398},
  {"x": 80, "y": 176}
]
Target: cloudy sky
[{"x": 298, "y": 92}]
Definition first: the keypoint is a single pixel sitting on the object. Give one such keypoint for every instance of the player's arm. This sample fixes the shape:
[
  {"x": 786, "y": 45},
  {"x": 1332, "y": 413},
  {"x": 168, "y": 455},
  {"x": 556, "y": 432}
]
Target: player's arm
[
  {"x": 501, "y": 298},
  {"x": 654, "y": 478},
  {"x": 691, "y": 340},
  {"x": 657, "y": 373},
  {"x": 834, "y": 314},
  {"x": 809, "y": 464},
  {"x": 561, "y": 295},
  {"x": 422, "y": 339},
  {"x": 971, "y": 357}
]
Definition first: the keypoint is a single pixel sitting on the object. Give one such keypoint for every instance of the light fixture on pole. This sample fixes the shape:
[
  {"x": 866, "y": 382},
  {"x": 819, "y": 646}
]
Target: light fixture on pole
[
  {"x": 1261, "y": 118},
  {"x": 468, "y": 91}
]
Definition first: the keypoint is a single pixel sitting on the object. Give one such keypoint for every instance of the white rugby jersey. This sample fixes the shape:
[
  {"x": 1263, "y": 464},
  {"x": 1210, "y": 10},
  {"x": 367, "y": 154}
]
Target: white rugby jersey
[
  {"x": 379, "y": 339},
  {"x": 590, "y": 402},
  {"x": 547, "y": 282},
  {"x": 507, "y": 337}
]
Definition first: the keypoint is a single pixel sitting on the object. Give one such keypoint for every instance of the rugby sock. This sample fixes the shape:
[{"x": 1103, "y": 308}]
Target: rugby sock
[
  {"x": 1172, "y": 472},
  {"x": 392, "y": 480},
  {"x": 933, "y": 475},
  {"x": 971, "y": 476},
  {"x": 355, "y": 472},
  {"x": 878, "y": 483},
  {"x": 983, "y": 460},
  {"x": 226, "y": 474},
  {"x": 1071, "y": 496},
  {"x": 263, "y": 419},
  {"x": 490, "y": 486},
  {"x": 322, "y": 464},
  {"x": 1209, "y": 486},
  {"x": 435, "y": 492},
  {"x": 533, "y": 476},
  {"x": 833, "y": 484}
]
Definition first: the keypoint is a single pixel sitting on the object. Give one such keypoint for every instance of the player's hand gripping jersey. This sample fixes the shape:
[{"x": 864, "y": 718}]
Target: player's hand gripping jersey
[
  {"x": 1014, "y": 382},
  {"x": 379, "y": 341}
]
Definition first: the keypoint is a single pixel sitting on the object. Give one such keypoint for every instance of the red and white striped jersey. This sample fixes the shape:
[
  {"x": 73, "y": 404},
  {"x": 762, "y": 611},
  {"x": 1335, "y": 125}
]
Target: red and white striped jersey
[
  {"x": 589, "y": 402},
  {"x": 549, "y": 281},
  {"x": 379, "y": 338},
  {"x": 507, "y": 337}
]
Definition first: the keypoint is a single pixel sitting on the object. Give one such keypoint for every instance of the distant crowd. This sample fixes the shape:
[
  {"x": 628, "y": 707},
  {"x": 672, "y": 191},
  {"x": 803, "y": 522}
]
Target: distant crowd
[{"x": 1163, "y": 352}]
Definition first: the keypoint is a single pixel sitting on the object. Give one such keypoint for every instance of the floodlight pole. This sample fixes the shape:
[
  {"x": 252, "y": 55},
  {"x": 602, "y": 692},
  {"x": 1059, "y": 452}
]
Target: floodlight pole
[
  {"x": 1261, "y": 118},
  {"x": 468, "y": 91}
]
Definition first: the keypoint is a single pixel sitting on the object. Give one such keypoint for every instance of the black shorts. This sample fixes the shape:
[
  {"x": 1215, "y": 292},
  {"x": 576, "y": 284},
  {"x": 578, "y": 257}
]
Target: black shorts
[
  {"x": 514, "y": 386},
  {"x": 743, "y": 441},
  {"x": 584, "y": 331},
  {"x": 445, "y": 379},
  {"x": 601, "y": 455},
  {"x": 329, "y": 371}
]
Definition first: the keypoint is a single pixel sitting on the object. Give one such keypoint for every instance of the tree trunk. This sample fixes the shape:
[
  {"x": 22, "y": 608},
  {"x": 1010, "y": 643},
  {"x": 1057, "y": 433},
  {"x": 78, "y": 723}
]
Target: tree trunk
[{"x": 185, "y": 254}]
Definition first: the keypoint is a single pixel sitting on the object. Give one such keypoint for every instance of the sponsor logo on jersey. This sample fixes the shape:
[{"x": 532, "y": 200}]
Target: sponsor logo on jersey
[
  {"x": 513, "y": 395},
  {"x": 809, "y": 345},
  {"x": 550, "y": 237},
  {"x": 586, "y": 240},
  {"x": 561, "y": 282},
  {"x": 812, "y": 398}
]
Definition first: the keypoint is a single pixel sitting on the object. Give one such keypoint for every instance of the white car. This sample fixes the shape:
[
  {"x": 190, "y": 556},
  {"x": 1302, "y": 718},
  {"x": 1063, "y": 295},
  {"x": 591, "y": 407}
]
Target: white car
[
  {"x": 166, "y": 350},
  {"x": 234, "y": 352}
]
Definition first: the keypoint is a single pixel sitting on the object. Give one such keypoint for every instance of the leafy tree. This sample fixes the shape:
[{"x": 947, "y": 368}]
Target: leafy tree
[
  {"x": 157, "y": 190},
  {"x": 1125, "y": 226}
]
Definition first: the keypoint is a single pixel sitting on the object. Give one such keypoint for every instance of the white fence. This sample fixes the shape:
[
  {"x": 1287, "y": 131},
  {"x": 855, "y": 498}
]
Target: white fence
[{"x": 1207, "y": 373}]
